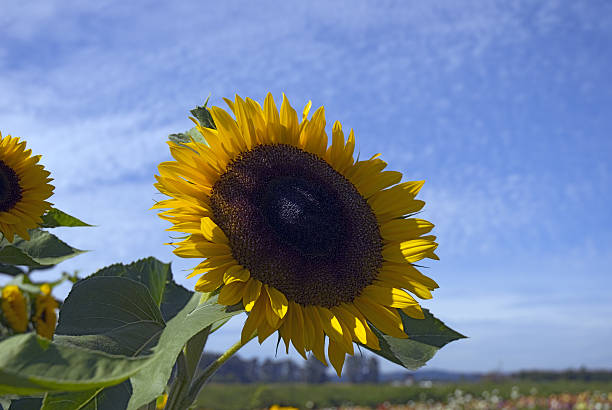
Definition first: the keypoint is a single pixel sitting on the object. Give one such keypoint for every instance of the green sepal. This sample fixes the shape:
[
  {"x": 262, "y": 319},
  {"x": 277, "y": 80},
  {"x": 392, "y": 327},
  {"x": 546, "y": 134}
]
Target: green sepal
[
  {"x": 425, "y": 337},
  {"x": 202, "y": 114}
]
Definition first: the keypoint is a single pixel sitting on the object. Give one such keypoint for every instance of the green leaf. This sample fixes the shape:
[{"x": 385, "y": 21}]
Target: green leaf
[
  {"x": 151, "y": 380},
  {"x": 132, "y": 335},
  {"x": 169, "y": 296},
  {"x": 30, "y": 364},
  {"x": 43, "y": 249},
  {"x": 110, "y": 398},
  {"x": 10, "y": 270},
  {"x": 54, "y": 218},
  {"x": 426, "y": 337},
  {"x": 112, "y": 314},
  {"x": 430, "y": 331}
]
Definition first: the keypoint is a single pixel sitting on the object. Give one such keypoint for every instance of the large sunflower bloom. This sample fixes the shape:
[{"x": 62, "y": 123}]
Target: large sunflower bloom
[
  {"x": 312, "y": 242},
  {"x": 24, "y": 187}
]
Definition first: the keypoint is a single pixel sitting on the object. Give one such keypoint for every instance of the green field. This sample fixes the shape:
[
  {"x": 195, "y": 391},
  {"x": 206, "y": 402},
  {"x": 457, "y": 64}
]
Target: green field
[{"x": 467, "y": 395}]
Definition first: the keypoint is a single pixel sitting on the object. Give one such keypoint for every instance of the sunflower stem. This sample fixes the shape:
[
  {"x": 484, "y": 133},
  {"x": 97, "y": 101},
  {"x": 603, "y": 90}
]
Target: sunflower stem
[
  {"x": 181, "y": 383},
  {"x": 203, "y": 378}
]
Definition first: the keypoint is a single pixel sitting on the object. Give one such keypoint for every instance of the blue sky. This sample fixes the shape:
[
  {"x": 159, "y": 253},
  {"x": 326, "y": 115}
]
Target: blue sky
[{"x": 502, "y": 107}]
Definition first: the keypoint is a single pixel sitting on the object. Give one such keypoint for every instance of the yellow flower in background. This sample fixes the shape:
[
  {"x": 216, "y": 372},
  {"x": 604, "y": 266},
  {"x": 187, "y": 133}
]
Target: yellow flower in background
[
  {"x": 161, "y": 401},
  {"x": 14, "y": 308},
  {"x": 24, "y": 187},
  {"x": 45, "y": 317},
  {"x": 311, "y": 241},
  {"x": 277, "y": 407}
]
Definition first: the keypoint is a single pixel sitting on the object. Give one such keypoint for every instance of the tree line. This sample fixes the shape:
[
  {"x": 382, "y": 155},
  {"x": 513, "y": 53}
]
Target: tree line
[{"x": 357, "y": 369}]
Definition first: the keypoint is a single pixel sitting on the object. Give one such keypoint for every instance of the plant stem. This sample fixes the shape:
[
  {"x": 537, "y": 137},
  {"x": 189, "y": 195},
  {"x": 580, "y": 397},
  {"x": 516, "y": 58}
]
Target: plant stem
[
  {"x": 181, "y": 382},
  {"x": 201, "y": 380}
]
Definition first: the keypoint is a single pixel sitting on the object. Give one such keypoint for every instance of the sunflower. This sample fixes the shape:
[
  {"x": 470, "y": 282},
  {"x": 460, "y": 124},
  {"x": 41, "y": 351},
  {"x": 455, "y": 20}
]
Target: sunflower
[
  {"x": 313, "y": 243},
  {"x": 24, "y": 186},
  {"x": 45, "y": 316},
  {"x": 14, "y": 308}
]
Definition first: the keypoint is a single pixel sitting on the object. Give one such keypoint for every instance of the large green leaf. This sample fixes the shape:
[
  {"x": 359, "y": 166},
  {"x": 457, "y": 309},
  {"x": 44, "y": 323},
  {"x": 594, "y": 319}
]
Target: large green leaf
[
  {"x": 169, "y": 296},
  {"x": 55, "y": 218},
  {"x": 31, "y": 365},
  {"x": 109, "y": 398},
  {"x": 112, "y": 314},
  {"x": 426, "y": 337},
  {"x": 136, "y": 334},
  {"x": 43, "y": 249},
  {"x": 151, "y": 380}
]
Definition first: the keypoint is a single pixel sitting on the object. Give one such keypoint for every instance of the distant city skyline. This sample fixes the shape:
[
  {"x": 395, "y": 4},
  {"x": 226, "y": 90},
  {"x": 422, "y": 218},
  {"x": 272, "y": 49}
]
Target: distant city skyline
[{"x": 502, "y": 108}]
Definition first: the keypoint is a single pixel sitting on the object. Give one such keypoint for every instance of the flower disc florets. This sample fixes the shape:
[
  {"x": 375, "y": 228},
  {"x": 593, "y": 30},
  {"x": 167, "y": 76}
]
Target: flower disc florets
[{"x": 298, "y": 225}]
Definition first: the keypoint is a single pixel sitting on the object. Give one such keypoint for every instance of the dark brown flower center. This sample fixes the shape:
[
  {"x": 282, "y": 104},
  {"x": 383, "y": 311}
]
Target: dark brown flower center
[
  {"x": 10, "y": 190},
  {"x": 298, "y": 225}
]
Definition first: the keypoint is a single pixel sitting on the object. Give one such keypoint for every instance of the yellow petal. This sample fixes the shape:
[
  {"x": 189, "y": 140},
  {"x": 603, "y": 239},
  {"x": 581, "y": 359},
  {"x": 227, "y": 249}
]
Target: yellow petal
[
  {"x": 210, "y": 281},
  {"x": 255, "y": 317},
  {"x": 297, "y": 329},
  {"x": 388, "y": 296},
  {"x": 211, "y": 231},
  {"x": 202, "y": 250},
  {"x": 371, "y": 339},
  {"x": 396, "y": 201},
  {"x": 278, "y": 301},
  {"x": 369, "y": 185},
  {"x": 318, "y": 342},
  {"x": 335, "y": 329},
  {"x": 414, "y": 312},
  {"x": 386, "y": 320},
  {"x": 395, "y": 279},
  {"x": 399, "y": 230},
  {"x": 270, "y": 314},
  {"x": 409, "y": 271},
  {"x": 410, "y": 251},
  {"x": 231, "y": 294},
  {"x": 236, "y": 274},
  {"x": 251, "y": 294},
  {"x": 355, "y": 326},
  {"x": 336, "y": 356}
]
